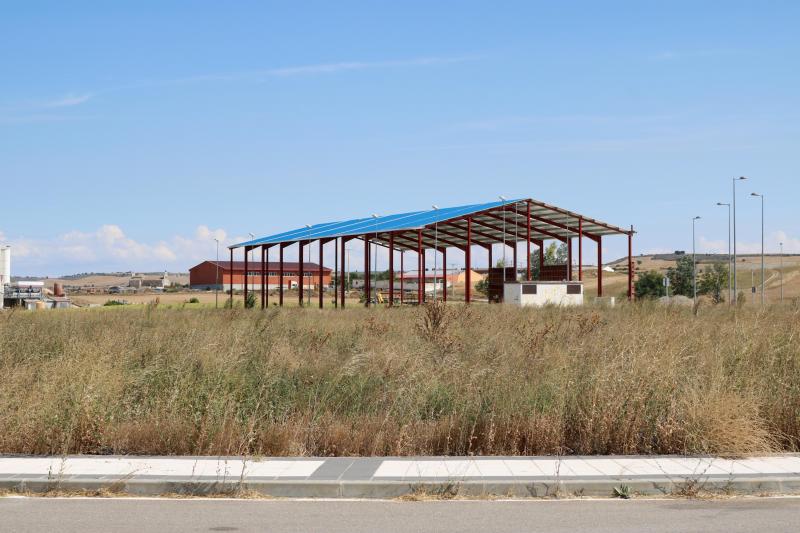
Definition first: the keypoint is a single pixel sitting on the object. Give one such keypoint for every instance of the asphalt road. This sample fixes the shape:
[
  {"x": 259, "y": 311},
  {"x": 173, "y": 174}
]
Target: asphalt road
[{"x": 617, "y": 516}]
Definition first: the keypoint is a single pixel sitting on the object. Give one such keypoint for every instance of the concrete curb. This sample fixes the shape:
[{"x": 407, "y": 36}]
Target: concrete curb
[
  {"x": 396, "y": 489},
  {"x": 393, "y": 477}
]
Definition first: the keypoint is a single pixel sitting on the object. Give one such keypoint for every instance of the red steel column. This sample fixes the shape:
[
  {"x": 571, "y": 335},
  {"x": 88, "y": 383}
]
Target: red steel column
[
  {"x": 424, "y": 274},
  {"x": 266, "y": 290},
  {"x": 246, "y": 250},
  {"x": 342, "y": 273},
  {"x": 419, "y": 266},
  {"x": 528, "y": 240},
  {"x": 366, "y": 272},
  {"x": 599, "y": 266},
  {"x": 444, "y": 274},
  {"x": 302, "y": 272},
  {"x": 630, "y": 264},
  {"x": 321, "y": 302},
  {"x": 468, "y": 263},
  {"x": 280, "y": 274},
  {"x": 263, "y": 274},
  {"x": 335, "y": 277},
  {"x": 490, "y": 255},
  {"x": 230, "y": 273},
  {"x": 391, "y": 269},
  {"x": 580, "y": 249}
]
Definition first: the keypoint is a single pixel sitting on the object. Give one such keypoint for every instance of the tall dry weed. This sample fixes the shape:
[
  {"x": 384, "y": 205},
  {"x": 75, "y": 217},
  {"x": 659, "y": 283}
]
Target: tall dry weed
[{"x": 437, "y": 379}]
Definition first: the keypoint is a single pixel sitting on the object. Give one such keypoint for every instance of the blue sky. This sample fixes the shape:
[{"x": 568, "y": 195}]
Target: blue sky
[{"x": 132, "y": 133}]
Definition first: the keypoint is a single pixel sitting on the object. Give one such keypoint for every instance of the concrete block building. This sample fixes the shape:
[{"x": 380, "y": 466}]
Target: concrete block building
[{"x": 218, "y": 274}]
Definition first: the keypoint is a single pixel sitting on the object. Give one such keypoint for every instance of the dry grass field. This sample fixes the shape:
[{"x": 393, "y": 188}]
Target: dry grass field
[{"x": 636, "y": 379}]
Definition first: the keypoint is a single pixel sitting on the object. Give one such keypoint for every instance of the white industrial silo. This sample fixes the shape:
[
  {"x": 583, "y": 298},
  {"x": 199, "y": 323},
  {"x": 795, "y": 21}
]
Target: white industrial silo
[{"x": 5, "y": 270}]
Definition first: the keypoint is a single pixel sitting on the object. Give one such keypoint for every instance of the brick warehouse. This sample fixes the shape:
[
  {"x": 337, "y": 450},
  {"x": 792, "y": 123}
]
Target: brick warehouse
[{"x": 203, "y": 276}]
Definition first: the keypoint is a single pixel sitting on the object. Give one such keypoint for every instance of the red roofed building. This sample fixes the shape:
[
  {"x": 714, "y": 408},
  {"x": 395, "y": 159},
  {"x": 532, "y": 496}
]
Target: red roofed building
[{"x": 218, "y": 274}]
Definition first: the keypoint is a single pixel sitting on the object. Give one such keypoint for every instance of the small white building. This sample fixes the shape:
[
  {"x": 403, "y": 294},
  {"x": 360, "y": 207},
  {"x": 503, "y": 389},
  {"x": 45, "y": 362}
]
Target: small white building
[{"x": 541, "y": 293}]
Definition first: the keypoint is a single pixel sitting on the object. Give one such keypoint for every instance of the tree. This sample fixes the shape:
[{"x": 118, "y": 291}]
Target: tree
[
  {"x": 483, "y": 286},
  {"x": 650, "y": 285},
  {"x": 250, "y": 302},
  {"x": 680, "y": 277},
  {"x": 713, "y": 281},
  {"x": 554, "y": 254}
]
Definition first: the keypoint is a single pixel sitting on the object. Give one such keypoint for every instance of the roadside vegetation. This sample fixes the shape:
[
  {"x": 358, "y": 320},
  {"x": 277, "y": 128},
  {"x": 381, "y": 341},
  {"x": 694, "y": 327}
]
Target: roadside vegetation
[
  {"x": 712, "y": 281},
  {"x": 637, "y": 379}
]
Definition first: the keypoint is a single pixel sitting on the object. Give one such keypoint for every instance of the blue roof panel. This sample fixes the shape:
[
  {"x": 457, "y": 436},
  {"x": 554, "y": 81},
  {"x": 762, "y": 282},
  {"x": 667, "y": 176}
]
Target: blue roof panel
[{"x": 360, "y": 226}]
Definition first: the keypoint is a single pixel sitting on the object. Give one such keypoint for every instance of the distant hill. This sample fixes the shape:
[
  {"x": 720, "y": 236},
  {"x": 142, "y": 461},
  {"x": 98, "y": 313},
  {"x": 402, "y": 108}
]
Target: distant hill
[
  {"x": 701, "y": 258},
  {"x": 104, "y": 279}
]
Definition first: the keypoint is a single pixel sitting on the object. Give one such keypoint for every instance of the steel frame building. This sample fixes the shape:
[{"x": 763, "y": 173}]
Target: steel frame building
[{"x": 504, "y": 222}]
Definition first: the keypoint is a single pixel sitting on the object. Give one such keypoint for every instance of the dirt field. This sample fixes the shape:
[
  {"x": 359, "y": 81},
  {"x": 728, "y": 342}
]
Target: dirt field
[{"x": 206, "y": 298}]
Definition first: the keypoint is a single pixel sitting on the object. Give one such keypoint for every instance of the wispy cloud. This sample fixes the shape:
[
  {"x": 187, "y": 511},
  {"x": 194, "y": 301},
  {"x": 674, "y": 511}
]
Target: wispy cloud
[
  {"x": 40, "y": 117},
  {"x": 513, "y": 121},
  {"x": 14, "y": 113},
  {"x": 55, "y": 110},
  {"x": 674, "y": 55},
  {"x": 261, "y": 75},
  {"x": 331, "y": 68},
  {"x": 69, "y": 100}
]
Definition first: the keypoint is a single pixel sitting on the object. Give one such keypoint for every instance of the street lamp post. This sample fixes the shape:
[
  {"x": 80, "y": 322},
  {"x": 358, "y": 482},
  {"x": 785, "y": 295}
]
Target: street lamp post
[
  {"x": 735, "y": 294},
  {"x": 694, "y": 261},
  {"x": 216, "y": 278},
  {"x": 755, "y": 194},
  {"x": 730, "y": 287}
]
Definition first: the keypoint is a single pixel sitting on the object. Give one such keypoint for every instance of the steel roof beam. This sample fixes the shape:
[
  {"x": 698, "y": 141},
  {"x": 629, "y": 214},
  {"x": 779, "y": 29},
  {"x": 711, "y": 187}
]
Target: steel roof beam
[
  {"x": 576, "y": 215},
  {"x": 540, "y": 230}
]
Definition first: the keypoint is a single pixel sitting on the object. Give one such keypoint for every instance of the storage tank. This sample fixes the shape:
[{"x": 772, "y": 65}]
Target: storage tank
[
  {"x": 5, "y": 265},
  {"x": 5, "y": 270}
]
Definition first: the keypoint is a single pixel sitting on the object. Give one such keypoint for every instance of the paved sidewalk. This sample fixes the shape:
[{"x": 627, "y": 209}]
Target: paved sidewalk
[{"x": 389, "y": 477}]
